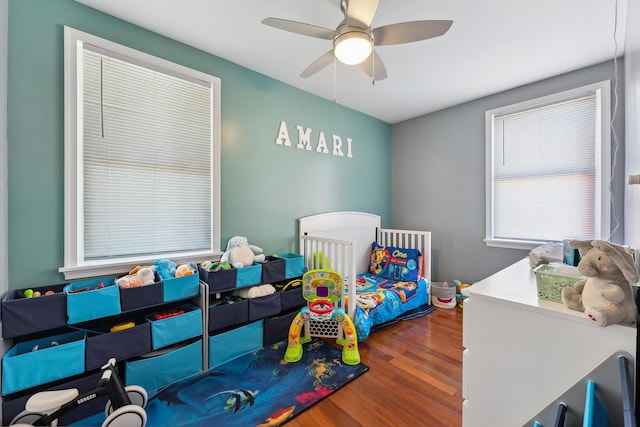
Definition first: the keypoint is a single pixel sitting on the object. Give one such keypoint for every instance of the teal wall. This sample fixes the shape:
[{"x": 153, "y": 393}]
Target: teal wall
[{"x": 265, "y": 187}]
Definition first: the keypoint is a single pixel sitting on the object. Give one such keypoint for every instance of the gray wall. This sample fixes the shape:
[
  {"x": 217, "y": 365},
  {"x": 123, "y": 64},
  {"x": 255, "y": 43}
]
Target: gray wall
[{"x": 438, "y": 175}]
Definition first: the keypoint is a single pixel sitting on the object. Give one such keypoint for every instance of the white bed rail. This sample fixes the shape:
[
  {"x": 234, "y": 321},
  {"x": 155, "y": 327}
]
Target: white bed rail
[{"x": 339, "y": 254}]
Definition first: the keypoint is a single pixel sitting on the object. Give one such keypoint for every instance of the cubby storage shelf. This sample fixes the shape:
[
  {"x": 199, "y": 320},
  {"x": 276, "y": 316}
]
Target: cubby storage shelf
[
  {"x": 46, "y": 351},
  {"x": 276, "y": 268},
  {"x": 203, "y": 336}
]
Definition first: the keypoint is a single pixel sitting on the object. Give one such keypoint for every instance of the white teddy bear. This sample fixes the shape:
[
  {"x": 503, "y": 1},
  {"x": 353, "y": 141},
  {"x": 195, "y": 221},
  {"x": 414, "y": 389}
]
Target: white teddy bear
[{"x": 240, "y": 253}]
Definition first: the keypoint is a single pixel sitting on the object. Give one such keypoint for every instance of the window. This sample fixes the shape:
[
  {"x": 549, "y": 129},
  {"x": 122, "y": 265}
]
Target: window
[
  {"x": 548, "y": 169},
  {"x": 142, "y": 159}
]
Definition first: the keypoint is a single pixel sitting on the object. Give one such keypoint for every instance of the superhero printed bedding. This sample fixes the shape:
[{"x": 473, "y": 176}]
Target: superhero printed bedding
[
  {"x": 392, "y": 286},
  {"x": 380, "y": 300}
]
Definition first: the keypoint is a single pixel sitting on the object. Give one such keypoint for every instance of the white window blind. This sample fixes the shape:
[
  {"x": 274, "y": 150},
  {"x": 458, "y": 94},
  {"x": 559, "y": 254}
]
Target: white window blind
[
  {"x": 142, "y": 159},
  {"x": 546, "y": 176},
  {"x": 147, "y": 161}
]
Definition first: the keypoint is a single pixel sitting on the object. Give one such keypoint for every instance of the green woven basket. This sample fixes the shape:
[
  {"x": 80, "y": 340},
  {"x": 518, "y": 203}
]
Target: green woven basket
[{"x": 551, "y": 278}]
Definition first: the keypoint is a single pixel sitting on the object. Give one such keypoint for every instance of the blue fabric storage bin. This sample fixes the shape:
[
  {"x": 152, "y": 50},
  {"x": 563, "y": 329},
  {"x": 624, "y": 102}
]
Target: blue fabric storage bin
[
  {"x": 273, "y": 269},
  {"x": 261, "y": 307},
  {"x": 228, "y": 314},
  {"x": 294, "y": 264},
  {"x": 229, "y": 345},
  {"x": 276, "y": 329},
  {"x": 221, "y": 280},
  {"x": 177, "y": 328},
  {"x": 23, "y": 316},
  {"x": 122, "y": 345},
  {"x": 35, "y": 362},
  {"x": 157, "y": 371},
  {"x": 141, "y": 296},
  {"x": 248, "y": 276},
  {"x": 92, "y": 303},
  {"x": 181, "y": 287}
]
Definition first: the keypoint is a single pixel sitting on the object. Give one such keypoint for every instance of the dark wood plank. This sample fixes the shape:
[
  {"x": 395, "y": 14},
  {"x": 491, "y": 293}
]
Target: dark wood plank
[{"x": 415, "y": 378}]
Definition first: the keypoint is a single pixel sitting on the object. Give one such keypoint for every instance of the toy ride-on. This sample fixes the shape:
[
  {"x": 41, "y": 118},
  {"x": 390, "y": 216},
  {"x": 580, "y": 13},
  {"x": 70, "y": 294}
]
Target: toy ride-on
[
  {"x": 125, "y": 407},
  {"x": 324, "y": 316}
]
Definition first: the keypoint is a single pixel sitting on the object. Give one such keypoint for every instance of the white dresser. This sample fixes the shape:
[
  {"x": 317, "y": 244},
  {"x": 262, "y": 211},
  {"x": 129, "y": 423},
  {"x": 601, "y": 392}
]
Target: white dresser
[{"x": 521, "y": 352}]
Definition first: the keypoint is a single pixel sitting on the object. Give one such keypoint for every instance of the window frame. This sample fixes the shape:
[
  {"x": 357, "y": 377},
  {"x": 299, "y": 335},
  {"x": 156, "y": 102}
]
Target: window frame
[
  {"x": 75, "y": 266},
  {"x": 603, "y": 195},
  {"x": 4, "y": 167}
]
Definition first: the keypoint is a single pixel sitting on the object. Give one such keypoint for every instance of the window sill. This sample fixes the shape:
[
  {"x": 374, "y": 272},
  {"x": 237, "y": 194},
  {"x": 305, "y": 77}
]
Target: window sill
[
  {"x": 114, "y": 268},
  {"x": 513, "y": 244}
]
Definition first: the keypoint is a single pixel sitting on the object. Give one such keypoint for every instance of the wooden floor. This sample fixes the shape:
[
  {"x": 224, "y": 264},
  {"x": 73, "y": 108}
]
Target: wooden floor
[{"x": 414, "y": 378}]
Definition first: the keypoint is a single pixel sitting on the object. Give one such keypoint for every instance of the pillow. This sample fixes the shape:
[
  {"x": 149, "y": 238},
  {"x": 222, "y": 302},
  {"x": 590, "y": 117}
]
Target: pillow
[{"x": 395, "y": 263}]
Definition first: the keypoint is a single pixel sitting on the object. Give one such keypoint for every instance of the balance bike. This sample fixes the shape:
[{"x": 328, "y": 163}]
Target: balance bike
[{"x": 125, "y": 407}]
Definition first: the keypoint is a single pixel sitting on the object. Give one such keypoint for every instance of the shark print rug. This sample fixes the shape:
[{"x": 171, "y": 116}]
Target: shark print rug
[{"x": 257, "y": 389}]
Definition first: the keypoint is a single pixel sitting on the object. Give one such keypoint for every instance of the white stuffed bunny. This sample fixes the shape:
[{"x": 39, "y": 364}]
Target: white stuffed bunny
[{"x": 605, "y": 296}]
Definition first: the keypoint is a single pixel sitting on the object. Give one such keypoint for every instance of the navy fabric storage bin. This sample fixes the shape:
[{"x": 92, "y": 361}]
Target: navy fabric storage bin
[
  {"x": 273, "y": 269},
  {"x": 223, "y": 315},
  {"x": 12, "y": 407},
  {"x": 221, "y": 280},
  {"x": 294, "y": 264},
  {"x": 229, "y": 345},
  {"x": 122, "y": 345},
  {"x": 292, "y": 298},
  {"x": 181, "y": 287},
  {"x": 261, "y": 307},
  {"x": 22, "y": 316},
  {"x": 158, "y": 370},
  {"x": 93, "y": 303},
  {"x": 276, "y": 329},
  {"x": 35, "y": 362},
  {"x": 177, "y": 328},
  {"x": 142, "y": 296},
  {"x": 248, "y": 276}
]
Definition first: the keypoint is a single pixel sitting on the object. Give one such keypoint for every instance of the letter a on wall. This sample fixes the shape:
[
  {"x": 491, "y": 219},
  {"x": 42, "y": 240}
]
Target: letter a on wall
[{"x": 283, "y": 135}]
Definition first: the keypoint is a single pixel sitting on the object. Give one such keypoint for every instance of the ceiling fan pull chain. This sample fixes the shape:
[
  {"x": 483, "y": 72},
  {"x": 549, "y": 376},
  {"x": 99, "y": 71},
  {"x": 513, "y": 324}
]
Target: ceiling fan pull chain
[
  {"x": 334, "y": 79},
  {"x": 373, "y": 67}
]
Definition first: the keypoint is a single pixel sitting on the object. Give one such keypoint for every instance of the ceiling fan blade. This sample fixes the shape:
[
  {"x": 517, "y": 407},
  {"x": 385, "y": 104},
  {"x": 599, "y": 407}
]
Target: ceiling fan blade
[
  {"x": 362, "y": 11},
  {"x": 299, "y": 28},
  {"x": 376, "y": 70},
  {"x": 318, "y": 64},
  {"x": 407, "y": 32}
]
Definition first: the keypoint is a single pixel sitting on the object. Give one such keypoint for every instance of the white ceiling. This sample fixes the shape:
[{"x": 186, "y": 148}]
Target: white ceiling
[{"x": 493, "y": 45}]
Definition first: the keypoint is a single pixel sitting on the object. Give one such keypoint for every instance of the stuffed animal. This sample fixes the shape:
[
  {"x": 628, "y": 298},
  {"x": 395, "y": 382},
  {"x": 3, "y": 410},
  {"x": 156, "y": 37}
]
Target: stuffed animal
[
  {"x": 215, "y": 265},
  {"x": 255, "y": 291},
  {"x": 605, "y": 296},
  {"x": 165, "y": 268},
  {"x": 186, "y": 269},
  {"x": 138, "y": 276},
  {"x": 240, "y": 253}
]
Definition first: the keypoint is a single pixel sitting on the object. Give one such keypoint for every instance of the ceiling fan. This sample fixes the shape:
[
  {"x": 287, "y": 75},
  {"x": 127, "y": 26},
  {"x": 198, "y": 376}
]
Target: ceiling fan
[{"x": 354, "y": 39}]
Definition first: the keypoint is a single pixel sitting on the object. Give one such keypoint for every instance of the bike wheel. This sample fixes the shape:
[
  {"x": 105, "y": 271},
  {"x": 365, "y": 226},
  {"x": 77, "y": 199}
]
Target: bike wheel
[
  {"x": 127, "y": 416},
  {"x": 137, "y": 395},
  {"x": 28, "y": 418}
]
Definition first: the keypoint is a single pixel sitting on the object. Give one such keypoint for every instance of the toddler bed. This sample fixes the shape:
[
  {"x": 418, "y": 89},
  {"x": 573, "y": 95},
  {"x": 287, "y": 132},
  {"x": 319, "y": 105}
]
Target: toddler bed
[{"x": 386, "y": 271}]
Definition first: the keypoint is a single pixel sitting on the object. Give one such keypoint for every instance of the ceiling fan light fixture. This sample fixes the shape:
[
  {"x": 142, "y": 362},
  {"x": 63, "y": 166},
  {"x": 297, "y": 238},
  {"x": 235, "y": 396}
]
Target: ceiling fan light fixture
[{"x": 353, "y": 47}]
